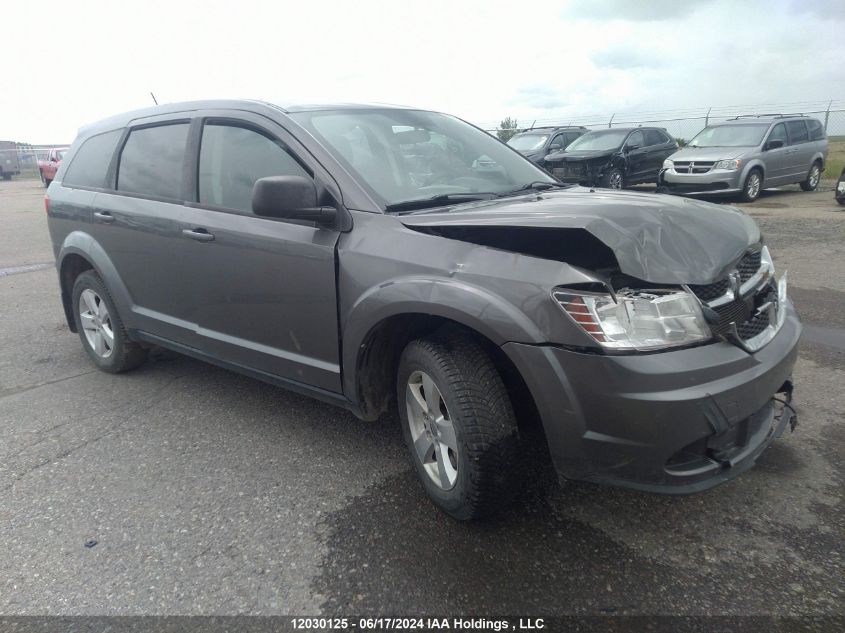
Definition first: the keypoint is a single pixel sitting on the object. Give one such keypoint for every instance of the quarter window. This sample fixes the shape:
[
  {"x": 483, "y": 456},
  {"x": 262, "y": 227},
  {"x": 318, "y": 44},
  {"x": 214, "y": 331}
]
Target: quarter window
[
  {"x": 151, "y": 161},
  {"x": 797, "y": 131},
  {"x": 816, "y": 131},
  {"x": 88, "y": 168},
  {"x": 232, "y": 158}
]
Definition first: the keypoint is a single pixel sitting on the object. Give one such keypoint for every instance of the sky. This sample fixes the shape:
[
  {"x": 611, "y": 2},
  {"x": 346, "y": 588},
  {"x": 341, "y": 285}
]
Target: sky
[{"x": 81, "y": 61}]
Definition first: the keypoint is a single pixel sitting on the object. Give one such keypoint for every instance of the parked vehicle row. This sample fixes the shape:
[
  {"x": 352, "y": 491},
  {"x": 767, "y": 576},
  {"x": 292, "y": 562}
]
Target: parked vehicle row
[
  {"x": 739, "y": 157},
  {"x": 396, "y": 259}
]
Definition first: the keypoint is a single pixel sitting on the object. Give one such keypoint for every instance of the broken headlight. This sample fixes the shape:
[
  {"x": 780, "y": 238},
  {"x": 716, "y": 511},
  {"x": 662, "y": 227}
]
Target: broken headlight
[{"x": 634, "y": 319}]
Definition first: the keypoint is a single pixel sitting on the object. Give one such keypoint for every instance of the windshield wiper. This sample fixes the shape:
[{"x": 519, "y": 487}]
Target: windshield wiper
[
  {"x": 537, "y": 185},
  {"x": 440, "y": 200}
]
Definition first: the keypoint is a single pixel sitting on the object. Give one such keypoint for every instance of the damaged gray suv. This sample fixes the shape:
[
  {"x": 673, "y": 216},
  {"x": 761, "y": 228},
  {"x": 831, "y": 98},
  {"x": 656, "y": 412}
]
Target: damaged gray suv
[{"x": 380, "y": 257}]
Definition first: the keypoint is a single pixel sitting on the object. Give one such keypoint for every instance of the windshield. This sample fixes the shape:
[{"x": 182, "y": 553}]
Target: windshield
[
  {"x": 730, "y": 135},
  {"x": 525, "y": 142},
  {"x": 592, "y": 141},
  {"x": 402, "y": 155}
]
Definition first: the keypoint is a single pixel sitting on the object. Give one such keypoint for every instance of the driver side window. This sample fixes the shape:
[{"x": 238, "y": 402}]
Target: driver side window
[
  {"x": 778, "y": 133},
  {"x": 635, "y": 139}
]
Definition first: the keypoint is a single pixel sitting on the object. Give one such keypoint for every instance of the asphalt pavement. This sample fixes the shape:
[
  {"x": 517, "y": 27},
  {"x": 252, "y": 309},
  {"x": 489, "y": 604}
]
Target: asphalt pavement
[{"x": 182, "y": 488}]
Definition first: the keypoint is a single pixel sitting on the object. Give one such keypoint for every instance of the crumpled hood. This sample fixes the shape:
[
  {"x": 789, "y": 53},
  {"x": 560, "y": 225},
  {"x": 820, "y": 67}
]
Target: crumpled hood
[
  {"x": 709, "y": 153},
  {"x": 656, "y": 238},
  {"x": 577, "y": 156}
]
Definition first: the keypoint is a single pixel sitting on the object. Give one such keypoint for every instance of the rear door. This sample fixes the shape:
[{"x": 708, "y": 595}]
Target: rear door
[
  {"x": 266, "y": 287},
  {"x": 660, "y": 147},
  {"x": 636, "y": 154},
  {"x": 138, "y": 223},
  {"x": 776, "y": 160},
  {"x": 800, "y": 150}
]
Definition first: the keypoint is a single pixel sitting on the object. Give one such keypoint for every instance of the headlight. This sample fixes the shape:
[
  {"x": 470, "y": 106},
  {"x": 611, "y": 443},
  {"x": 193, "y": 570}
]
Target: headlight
[
  {"x": 637, "y": 319},
  {"x": 728, "y": 164},
  {"x": 668, "y": 164}
]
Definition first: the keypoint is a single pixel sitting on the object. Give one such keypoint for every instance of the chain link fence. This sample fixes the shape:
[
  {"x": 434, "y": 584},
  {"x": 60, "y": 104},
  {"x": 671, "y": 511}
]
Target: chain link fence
[{"x": 685, "y": 124}]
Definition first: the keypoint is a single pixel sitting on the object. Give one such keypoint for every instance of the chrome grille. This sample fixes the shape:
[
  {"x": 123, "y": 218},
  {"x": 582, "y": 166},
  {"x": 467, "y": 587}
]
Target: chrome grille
[{"x": 693, "y": 166}]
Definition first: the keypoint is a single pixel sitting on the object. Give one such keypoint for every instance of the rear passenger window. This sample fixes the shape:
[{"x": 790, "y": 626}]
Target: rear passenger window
[
  {"x": 816, "y": 131},
  {"x": 653, "y": 137},
  {"x": 231, "y": 160},
  {"x": 91, "y": 162},
  {"x": 151, "y": 161},
  {"x": 797, "y": 131}
]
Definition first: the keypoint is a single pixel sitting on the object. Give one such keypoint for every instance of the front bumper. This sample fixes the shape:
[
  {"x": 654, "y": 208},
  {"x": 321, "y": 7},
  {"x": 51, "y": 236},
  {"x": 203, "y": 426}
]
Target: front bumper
[
  {"x": 673, "y": 422},
  {"x": 714, "y": 182},
  {"x": 576, "y": 172}
]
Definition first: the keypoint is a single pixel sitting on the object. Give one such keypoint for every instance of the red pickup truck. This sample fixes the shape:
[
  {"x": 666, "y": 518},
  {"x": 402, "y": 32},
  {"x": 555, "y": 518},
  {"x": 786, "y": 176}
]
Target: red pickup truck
[{"x": 48, "y": 168}]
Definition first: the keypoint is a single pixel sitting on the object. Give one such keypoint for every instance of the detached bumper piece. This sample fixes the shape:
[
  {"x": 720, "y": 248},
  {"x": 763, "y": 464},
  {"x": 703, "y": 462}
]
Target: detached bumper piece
[{"x": 731, "y": 446}]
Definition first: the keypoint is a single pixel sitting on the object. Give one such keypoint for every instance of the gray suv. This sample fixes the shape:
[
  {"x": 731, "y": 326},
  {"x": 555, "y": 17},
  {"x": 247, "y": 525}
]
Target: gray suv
[
  {"x": 745, "y": 155},
  {"x": 365, "y": 256}
]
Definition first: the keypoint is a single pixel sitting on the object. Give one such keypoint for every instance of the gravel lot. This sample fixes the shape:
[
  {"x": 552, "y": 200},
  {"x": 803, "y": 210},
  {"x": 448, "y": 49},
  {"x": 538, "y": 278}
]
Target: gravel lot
[{"x": 210, "y": 493}]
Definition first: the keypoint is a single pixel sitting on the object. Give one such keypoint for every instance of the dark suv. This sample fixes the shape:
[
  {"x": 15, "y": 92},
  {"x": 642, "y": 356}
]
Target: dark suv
[
  {"x": 613, "y": 158},
  {"x": 536, "y": 143},
  {"x": 365, "y": 256}
]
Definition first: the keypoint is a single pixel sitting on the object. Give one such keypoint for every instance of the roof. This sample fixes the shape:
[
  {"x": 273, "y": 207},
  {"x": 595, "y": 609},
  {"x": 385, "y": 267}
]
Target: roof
[{"x": 122, "y": 119}]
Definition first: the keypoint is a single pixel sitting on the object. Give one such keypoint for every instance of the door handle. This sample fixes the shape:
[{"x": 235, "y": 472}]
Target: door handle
[
  {"x": 200, "y": 235},
  {"x": 104, "y": 216}
]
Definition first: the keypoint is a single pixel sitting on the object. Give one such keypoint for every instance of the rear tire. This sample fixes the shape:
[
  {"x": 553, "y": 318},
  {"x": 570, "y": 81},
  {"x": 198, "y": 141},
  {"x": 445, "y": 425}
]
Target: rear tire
[
  {"x": 100, "y": 327},
  {"x": 813, "y": 177},
  {"x": 753, "y": 186},
  {"x": 458, "y": 424}
]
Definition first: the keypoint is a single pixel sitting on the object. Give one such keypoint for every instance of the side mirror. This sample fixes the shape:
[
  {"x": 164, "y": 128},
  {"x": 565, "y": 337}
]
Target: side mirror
[
  {"x": 290, "y": 197},
  {"x": 631, "y": 146},
  {"x": 554, "y": 147},
  {"x": 774, "y": 143}
]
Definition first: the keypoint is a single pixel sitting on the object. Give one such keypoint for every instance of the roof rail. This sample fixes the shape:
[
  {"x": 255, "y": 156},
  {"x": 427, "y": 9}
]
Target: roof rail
[{"x": 773, "y": 115}]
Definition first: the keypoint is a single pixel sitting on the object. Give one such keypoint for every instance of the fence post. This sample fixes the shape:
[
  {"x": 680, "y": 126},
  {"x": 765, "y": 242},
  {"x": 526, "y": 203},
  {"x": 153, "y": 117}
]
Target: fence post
[
  {"x": 707, "y": 117},
  {"x": 827, "y": 116},
  {"x": 610, "y": 123}
]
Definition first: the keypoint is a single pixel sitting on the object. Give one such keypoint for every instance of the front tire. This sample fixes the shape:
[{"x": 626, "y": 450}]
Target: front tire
[
  {"x": 458, "y": 424},
  {"x": 753, "y": 186},
  {"x": 813, "y": 177},
  {"x": 613, "y": 179},
  {"x": 100, "y": 327}
]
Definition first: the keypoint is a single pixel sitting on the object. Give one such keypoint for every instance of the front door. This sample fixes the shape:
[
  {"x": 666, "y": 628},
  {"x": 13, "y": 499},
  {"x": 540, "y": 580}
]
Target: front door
[{"x": 266, "y": 288}]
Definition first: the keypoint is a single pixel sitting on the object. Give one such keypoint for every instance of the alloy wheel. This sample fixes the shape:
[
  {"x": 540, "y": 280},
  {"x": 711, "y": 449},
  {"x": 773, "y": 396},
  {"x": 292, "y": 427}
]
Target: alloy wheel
[
  {"x": 615, "y": 180},
  {"x": 815, "y": 174},
  {"x": 432, "y": 431},
  {"x": 752, "y": 187},
  {"x": 96, "y": 323}
]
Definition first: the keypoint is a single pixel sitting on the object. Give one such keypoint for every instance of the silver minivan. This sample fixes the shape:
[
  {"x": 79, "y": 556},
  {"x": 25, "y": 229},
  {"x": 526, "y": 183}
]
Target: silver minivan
[{"x": 744, "y": 155}]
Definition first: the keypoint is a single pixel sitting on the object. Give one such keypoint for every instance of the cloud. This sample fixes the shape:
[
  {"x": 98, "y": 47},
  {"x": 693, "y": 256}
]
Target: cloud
[
  {"x": 645, "y": 11},
  {"x": 626, "y": 58}
]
